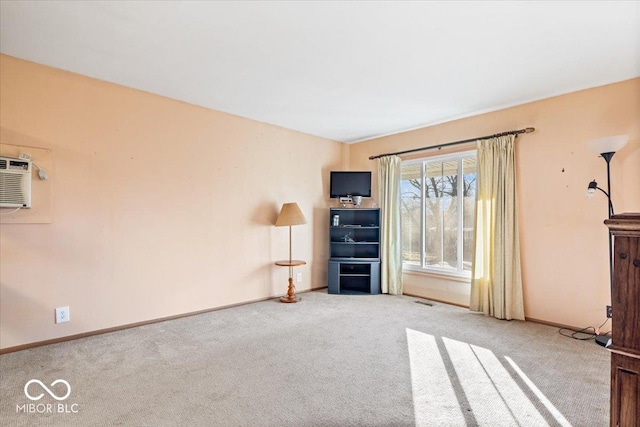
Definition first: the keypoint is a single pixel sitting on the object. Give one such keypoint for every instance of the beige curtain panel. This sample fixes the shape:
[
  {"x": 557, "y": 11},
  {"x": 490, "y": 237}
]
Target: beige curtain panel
[
  {"x": 496, "y": 283},
  {"x": 390, "y": 243}
]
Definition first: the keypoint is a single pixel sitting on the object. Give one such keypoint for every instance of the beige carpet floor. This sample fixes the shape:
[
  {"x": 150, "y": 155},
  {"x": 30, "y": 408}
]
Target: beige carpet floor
[{"x": 330, "y": 360}]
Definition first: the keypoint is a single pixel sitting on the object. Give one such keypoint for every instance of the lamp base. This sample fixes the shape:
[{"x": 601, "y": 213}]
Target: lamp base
[
  {"x": 291, "y": 293},
  {"x": 290, "y": 299},
  {"x": 603, "y": 340}
]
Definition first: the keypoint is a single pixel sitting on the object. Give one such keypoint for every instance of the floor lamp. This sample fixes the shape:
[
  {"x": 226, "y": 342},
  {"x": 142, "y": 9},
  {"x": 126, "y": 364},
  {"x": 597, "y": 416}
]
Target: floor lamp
[
  {"x": 290, "y": 214},
  {"x": 607, "y": 147}
]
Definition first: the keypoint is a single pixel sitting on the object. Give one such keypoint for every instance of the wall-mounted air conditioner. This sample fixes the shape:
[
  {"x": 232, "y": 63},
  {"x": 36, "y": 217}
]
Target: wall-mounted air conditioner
[{"x": 15, "y": 183}]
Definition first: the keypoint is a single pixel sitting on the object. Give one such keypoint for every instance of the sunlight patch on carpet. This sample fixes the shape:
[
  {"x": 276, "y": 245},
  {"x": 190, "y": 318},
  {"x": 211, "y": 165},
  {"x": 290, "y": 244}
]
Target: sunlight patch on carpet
[
  {"x": 552, "y": 409},
  {"x": 434, "y": 400},
  {"x": 493, "y": 396}
]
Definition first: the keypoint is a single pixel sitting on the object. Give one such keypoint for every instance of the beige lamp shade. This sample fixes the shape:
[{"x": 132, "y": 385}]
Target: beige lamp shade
[
  {"x": 609, "y": 144},
  {"x": 290, "y": 214}
]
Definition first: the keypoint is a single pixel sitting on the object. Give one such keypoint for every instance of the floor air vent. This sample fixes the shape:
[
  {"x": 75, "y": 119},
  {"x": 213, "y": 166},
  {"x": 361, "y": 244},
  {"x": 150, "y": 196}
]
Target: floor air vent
[{"x": 430, "y": 304}]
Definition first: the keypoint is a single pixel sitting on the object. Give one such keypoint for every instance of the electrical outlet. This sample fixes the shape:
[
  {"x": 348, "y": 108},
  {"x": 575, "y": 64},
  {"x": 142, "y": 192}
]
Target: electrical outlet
[
  {"x": 609, "y": 312},
  {"x": 298, "y": 277},
  {"x": 62, "y": 314}
]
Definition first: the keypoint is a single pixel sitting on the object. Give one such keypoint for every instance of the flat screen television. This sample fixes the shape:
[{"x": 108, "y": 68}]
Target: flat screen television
[{"x": 342, "y": 184}]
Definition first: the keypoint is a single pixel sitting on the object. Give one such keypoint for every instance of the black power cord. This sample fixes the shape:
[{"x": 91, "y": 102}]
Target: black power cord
[{"x": 584, "y": 334}]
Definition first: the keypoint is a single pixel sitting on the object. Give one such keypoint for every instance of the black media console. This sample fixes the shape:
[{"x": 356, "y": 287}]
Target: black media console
[{"x": 354, "y": 251}]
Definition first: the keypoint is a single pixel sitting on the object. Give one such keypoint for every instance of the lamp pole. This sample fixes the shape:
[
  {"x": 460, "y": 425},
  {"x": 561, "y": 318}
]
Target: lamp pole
[
  {"x": 291, "y": 267},
  {"x": 607, "y": 158},
  {"x": 607, "y": 147}
]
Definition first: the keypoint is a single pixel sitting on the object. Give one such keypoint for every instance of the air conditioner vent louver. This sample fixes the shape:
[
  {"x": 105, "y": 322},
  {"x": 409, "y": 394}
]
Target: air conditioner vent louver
[
  {"x": 15, "y": 183},
  {"x": 11, "y": 189}
]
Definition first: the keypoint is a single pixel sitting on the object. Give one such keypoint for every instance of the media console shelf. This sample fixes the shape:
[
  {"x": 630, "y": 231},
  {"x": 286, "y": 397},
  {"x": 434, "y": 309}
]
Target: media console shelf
[{"x": 354, "y": 251}]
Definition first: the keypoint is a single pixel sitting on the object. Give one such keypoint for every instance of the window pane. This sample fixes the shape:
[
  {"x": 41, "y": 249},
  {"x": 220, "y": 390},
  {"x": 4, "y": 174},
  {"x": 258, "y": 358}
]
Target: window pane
[
  {"x": 432, "y": 233},
  {"x": 410, "y": 189},
  {"x": 469, "y": 189},
  {"x": 432, "y": 217},
  {"x": 440, "y": 215},
  {"x": 450, "y": 222}
]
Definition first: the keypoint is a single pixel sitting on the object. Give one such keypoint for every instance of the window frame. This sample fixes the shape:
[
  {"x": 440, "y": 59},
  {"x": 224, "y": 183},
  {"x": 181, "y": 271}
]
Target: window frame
[{"x": 459, "y": 272}]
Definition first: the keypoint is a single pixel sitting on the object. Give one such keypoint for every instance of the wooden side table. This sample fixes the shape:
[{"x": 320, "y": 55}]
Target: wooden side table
[{"x": 291, "y": 292}]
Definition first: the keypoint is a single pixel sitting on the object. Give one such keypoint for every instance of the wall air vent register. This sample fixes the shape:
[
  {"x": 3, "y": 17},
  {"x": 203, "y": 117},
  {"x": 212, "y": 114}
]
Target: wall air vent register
[{"x": 15, "y": 183}]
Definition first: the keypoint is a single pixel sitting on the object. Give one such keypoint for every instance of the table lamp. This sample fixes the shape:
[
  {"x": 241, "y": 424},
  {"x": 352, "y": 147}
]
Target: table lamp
[{"x": 290, "y": 214}]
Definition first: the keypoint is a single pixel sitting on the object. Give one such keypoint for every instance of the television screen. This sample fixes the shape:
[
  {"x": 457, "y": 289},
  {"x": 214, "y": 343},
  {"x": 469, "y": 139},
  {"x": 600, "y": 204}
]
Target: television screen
[{"x": 344, "y": 184}]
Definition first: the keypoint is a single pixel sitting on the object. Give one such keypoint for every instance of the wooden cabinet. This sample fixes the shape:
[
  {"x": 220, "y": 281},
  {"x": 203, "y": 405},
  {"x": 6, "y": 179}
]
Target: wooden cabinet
[
  {"x": 354, "y": 251},
  {"x": 625, "y": 340}
]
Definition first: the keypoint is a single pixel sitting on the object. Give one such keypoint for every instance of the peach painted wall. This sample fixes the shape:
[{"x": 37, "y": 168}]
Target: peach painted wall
[
  {"x": 158, "y": 207},
  {"x": 563, "y": 238}
]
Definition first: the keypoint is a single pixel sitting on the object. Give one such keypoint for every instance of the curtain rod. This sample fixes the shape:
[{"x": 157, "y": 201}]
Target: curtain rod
[{"x": 448, "y": 144}]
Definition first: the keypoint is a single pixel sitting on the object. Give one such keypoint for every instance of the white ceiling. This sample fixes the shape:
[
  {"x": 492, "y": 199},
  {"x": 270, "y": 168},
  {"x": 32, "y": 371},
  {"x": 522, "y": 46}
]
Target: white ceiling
[{"x": 346, "y": 71}]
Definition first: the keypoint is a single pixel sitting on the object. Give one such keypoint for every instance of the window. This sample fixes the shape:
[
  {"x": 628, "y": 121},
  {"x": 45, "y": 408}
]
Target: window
[{"x": 438, "y": 197}]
